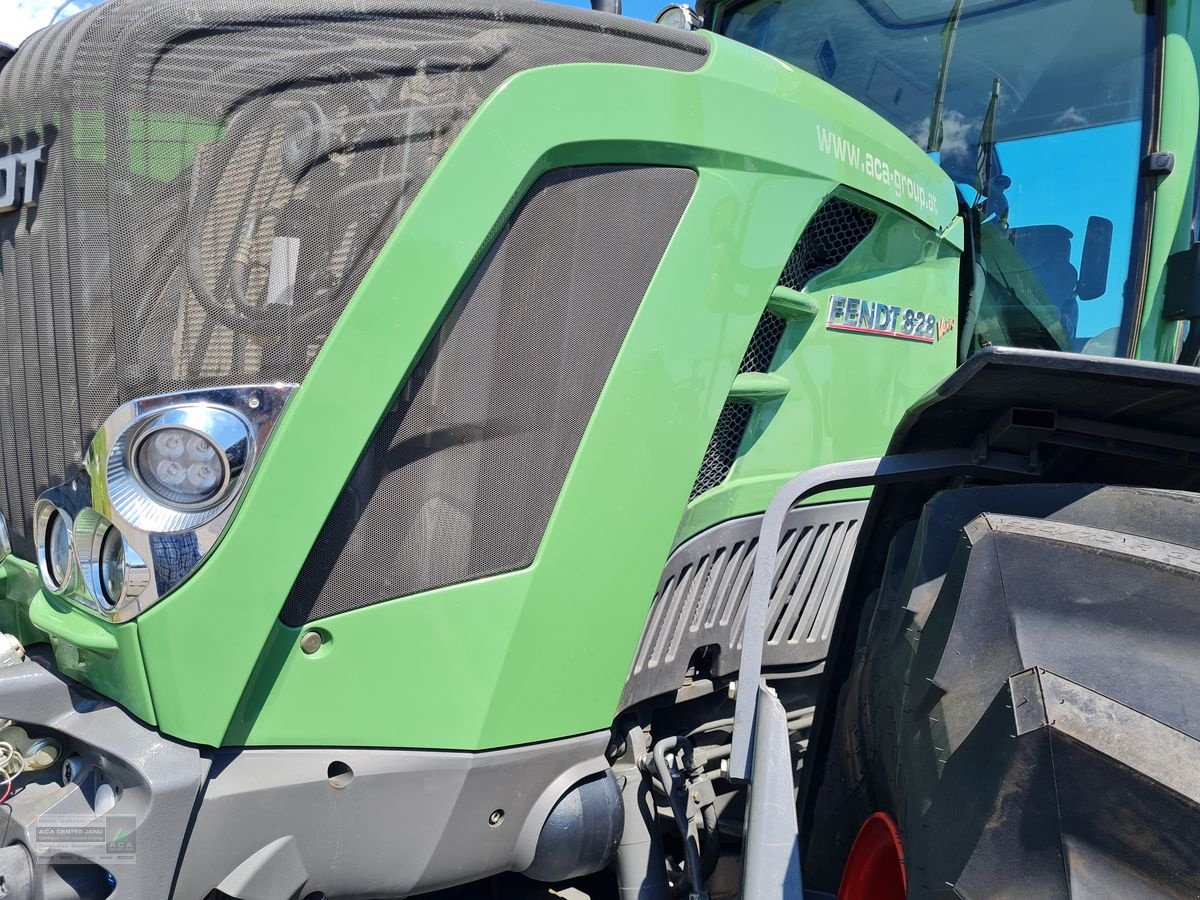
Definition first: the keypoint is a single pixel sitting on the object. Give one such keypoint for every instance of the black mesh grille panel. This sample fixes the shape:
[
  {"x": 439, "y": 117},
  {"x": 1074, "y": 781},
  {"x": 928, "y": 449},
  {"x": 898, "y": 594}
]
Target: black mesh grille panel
[
  {"x": 764, "y": 343},
  {"x": 722, "y": 449},
  {"x": 735, "y": 417},
  {"x": 464, "y": 471},
  {"x": 219, "y": 175},
  {"x": 834, "y": 230}
]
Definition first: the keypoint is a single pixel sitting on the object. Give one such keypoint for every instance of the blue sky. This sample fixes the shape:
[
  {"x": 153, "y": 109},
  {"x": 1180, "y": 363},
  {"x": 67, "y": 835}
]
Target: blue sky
[
  {"x": 642, "y": 9},
  {"x": 20, "y": 18},
  {"x": 1101, "y": 180}
]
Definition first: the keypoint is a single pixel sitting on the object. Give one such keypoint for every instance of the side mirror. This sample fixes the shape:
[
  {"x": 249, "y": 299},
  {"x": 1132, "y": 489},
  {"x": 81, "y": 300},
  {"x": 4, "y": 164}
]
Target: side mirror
[{"x": 1093, "y": 266}]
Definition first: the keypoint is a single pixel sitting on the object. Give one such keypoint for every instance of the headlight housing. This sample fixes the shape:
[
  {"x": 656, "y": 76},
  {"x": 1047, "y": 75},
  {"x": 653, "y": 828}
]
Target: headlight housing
[
  {"x": 113, "y": 574},
  {"x": 681, "y": 16},
  {"x": 160, "y": 482},
  {"x": 181, "y": 467},
  {"x": 52, "y": 526},
  {"x": 169, "y": 469},
  {"x": 112, "y": 567}
]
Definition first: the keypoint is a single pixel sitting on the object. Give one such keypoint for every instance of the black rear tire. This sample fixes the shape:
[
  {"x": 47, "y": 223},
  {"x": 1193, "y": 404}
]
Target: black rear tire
[{"x": 1025, "y": 698}]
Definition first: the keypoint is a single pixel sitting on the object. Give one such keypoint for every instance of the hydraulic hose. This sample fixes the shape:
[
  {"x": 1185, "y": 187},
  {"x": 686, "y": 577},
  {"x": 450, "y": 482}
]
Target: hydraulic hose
[
  {"x": 678, "y": 799},
  {"x": 641, "y": 866},
  {"x": 710, "y": 851}
]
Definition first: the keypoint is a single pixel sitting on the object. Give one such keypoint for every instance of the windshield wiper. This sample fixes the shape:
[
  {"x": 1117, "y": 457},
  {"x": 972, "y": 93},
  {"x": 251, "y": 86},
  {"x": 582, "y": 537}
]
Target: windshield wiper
[{"x": 949, "y": 33}]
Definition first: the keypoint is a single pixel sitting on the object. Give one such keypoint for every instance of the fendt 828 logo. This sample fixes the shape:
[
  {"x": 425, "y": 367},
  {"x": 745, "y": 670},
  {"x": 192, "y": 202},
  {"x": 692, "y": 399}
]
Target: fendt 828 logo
[{"x": 19, "y": 179}]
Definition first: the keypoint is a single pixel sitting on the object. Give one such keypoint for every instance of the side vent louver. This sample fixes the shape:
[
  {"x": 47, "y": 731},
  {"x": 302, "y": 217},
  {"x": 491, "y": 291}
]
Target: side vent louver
[
  {"x": 701, "y": 597},
  {"x": 832, "y": 233}
]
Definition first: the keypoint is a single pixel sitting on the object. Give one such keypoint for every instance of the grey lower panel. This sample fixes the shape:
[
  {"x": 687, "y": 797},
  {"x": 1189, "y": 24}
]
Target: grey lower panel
[
  {"x": 269, "y": 824},
  {"x": 701, "y": 598},
  {"x": 272, "y": 822},
  {"x": 155, "y": 781}
]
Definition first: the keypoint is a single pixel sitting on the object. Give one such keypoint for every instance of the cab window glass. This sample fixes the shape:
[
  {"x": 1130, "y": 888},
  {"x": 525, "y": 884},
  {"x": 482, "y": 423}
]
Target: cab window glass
[{"x": 1033, "y": 107}]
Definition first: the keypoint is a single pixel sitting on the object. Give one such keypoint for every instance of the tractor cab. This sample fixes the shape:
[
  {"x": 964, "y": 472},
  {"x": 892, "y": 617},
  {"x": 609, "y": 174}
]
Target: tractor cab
[{"x": 1041, "y": 113}]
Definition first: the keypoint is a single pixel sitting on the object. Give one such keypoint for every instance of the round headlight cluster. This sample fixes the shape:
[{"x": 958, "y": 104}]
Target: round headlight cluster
[
  {"x": 181, "y": 466},
  {"x": 159, "y": 484}
]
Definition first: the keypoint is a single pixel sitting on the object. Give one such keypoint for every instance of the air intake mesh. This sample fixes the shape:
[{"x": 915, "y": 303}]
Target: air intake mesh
[
  {"x": 219, "y": 175},
  {"x": 765, "y": 341},
  {"x": 464, "y": 471},
  {"x": 722, "y": 449},
  {"x": 834, "y": 230}
]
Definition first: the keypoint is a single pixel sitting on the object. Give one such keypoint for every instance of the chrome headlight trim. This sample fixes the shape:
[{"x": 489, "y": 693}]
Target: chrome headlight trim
[
  {"x": 91, "y": 531},
  {"x": 138, "y": 503},
  {"x": 5, "y": 540},
  {"x": 163, "y": 543},
  {"x": 45, "y": 511}
]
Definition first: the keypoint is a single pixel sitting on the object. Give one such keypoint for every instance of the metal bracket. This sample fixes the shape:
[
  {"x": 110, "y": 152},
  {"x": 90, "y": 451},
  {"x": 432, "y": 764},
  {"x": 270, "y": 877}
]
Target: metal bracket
[
  {"x": 1158, "y": 164},
  {"x": 854, "y": 473},
  {"x": 771, "y": 849}
]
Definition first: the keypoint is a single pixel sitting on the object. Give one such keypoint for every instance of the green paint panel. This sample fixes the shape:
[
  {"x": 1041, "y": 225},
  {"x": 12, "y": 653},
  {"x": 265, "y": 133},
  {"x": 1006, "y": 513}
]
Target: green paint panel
[
  {"x": 759, "y": 387},
  {"x": 1174, "y": 194},
  {"x": 104, "y": 656},
  {"x": 542, "y": 651},
  {"x": 53, "y": 616},
  {"x": 19, "y": 582},
  {"x": 792, "y": 304}
]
